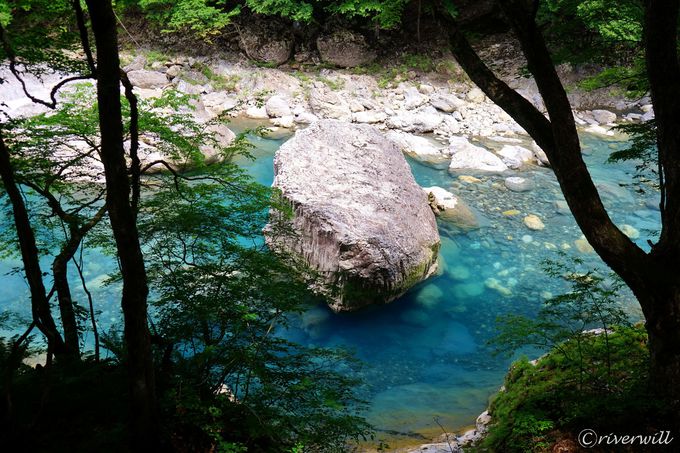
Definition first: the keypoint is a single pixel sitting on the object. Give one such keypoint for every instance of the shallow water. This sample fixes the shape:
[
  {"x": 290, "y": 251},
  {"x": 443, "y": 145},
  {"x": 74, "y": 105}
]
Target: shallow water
[{"x": 426, "y": 354}]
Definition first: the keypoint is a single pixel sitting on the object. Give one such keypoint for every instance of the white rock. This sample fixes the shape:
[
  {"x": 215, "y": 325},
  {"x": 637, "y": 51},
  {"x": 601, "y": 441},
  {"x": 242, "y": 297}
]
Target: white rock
[
  {"x": 413, "y": 99},
  {"x": 450, "y": 208},
  {"x": 369, "y": 116},
  {"x": 417, "y": 146},
  {"x": 277, "y": 107},
  {"x": 604, "y": 116},
  {"x": 540, "y": 155},
  {"x": 218, "y": 102},
  {"x": 515, "y": 156},
  {"x": 421, "y": 121},
  {"x": 147, "y": 79},
  {"x": 518, "y": 184},
  {"x": 304, "y": 117},
  {"x": 475, "y": 95},
  {"x": 466, "y": 156},
  {"x": 599, "y": 130},
  {"x": 326, "y": 103},
  {"x": 257, "y": 113},
  {"x": 446, "y": 102},
  {"x": 361, "y": 220},
  {"x": 287, "y": 122},
  {"x": 223, "y": 136}
]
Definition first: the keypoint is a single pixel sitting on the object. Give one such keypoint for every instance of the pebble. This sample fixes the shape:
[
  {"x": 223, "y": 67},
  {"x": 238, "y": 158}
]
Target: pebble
[
  {"x": 469, "y": 179},
  {"x": 583, "y": 246},
  {"x": 533, "y": 222}
]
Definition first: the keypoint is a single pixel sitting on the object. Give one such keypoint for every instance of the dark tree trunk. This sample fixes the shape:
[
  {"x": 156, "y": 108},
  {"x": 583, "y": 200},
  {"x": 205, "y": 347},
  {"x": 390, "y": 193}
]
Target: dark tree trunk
[
  {"x": 663, "y": 313},
  {"x": 652, "y": 277},
  {"x": 40, "y": 307},
  {"x": 64, "y": 299},
  {"x": 121, "y": 214}
]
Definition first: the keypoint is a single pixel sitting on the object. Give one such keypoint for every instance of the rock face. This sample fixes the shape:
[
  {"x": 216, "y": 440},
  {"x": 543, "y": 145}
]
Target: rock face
[
  {"x": 267, "y": 42},
  {"x": 344, "y": 48},
  {"x": 360, "y": 220}
]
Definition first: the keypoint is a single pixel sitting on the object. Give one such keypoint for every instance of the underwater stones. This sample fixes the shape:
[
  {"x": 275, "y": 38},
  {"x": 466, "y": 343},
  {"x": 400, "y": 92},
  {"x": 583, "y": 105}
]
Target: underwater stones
[
  {"x": 415, "y": 317},
  {"x": 466, "y": 156},
  {"x": 451, "y": 208},
  {"x": 429, "y": 296},
  {"x": 583, "y": 246},
  {"x": 630, "y": 231},
  {"x": 518, "y": 184},
  {"x": 459, "y": 272},
  {"x": 359, "y": 219},
  {"x": 469, "y": 179},
  {"x": 561, "y": 207},
  {"x": 533, "y": 222},
  {"x": 495, "y": 285},
  {"x": 466, "y": 290}
]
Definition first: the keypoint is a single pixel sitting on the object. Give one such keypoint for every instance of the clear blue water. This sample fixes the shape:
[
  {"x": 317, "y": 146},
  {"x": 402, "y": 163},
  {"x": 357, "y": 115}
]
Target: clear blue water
[{"x": 426, "y": 354}]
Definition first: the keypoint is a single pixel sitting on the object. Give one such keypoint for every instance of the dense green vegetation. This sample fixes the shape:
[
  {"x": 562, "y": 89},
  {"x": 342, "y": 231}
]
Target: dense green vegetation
[
  {"x": 594, "y": 373},
  {"x": 202, "y": 369}
]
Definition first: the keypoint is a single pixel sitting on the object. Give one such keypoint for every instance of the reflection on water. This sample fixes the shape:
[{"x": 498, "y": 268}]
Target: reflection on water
[{"x": 426, "y": 353}]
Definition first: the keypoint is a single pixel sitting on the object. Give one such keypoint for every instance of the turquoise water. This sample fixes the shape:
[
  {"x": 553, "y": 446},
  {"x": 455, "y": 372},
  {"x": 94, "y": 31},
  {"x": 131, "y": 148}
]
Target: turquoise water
[{"x": 426, "y": 354}]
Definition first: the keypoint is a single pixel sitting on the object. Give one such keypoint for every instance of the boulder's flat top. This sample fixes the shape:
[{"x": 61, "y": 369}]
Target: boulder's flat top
[{"x": 356, "y": 180}]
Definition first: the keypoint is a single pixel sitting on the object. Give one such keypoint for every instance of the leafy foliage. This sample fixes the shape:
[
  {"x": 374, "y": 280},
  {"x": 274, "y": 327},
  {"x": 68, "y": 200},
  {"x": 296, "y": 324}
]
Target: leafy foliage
[
  {"x": 223, "y": 300},
  {"x": 588, "y": 378},
  {"x": 203, "y": 17}
]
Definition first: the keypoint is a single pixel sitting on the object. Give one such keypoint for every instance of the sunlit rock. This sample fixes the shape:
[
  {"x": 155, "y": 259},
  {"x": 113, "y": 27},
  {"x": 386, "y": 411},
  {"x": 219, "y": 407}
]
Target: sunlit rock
[{"x": 359, "y": 218}]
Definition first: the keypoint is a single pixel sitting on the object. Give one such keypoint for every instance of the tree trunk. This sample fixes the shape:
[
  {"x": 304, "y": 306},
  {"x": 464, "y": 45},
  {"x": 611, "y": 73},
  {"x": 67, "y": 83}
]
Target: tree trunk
[
  {"x": 40, "y": 307},
  {"x": 63, "y": 289},
  {"x": 121, "y": 214}
]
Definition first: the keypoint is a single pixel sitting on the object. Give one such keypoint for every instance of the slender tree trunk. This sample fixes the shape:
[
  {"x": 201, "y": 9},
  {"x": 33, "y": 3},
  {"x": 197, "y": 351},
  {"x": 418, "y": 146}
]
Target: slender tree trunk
[
  {"x": 61, "y": 285},
  {"x": 121, "y": 214},
  {"x": 40, "y": 307}
]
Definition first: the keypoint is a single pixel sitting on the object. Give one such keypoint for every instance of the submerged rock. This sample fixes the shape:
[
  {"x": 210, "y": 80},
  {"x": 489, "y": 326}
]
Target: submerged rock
[
  {"x": 451, "y": 208},
  {"x": 359, "y": 219}
]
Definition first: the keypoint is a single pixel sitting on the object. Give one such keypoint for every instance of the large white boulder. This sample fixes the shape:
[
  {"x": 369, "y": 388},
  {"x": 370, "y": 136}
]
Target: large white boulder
[{"x": 360, "y": 221}]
